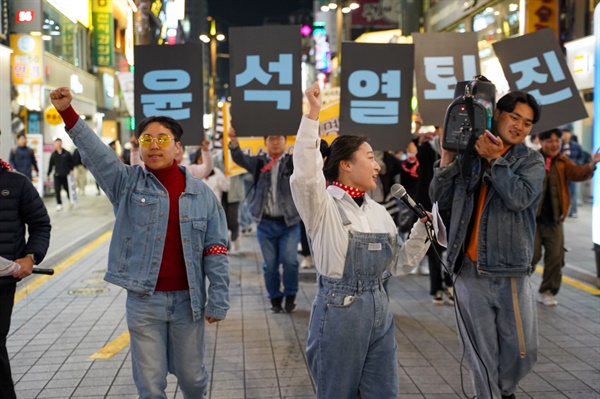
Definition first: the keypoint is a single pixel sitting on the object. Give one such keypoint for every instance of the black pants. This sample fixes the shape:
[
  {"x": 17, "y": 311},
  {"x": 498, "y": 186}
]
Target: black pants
[
  {"x": 60, "y": 181},
  {"x": 7, "y": 299},
  {"x": 232, "y": 216},
  {"x": 437, "y": 276},
  {"x": 304, "y": 241}
]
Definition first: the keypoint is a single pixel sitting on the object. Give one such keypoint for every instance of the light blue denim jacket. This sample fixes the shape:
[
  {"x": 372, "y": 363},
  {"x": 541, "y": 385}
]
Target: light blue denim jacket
[
  {"x": 141, "y": 206},
  {"x": 253, "y": 164},
  {"x": 507, "y": 224}
]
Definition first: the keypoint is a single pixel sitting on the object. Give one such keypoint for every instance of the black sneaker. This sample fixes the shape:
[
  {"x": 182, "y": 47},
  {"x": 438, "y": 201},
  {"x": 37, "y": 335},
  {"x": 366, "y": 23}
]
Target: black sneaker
[
  {"x": 276, "y": 305},
  {"x": 509, "y": 396},
  {"x": 290, "y": 303}
]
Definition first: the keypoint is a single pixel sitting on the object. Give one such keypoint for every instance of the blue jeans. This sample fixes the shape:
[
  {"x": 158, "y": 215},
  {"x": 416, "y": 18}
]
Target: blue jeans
[
  {"x": 573, "y": 190},
  {"x": 164, "y": 338},
  {"x": 489, "y": 330},
  {"x": 279, "y": 246}
]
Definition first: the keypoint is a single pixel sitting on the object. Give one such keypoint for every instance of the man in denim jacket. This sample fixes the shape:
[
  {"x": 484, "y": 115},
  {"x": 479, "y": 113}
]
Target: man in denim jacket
[
  {"x": 170, "y": 235},
  {"x": 278, "y": 221},
  {"x": 493, "y": 194}
]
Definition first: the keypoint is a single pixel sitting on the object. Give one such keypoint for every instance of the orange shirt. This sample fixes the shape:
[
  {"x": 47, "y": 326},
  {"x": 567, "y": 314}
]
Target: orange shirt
[{"x": 483, "y": 190}]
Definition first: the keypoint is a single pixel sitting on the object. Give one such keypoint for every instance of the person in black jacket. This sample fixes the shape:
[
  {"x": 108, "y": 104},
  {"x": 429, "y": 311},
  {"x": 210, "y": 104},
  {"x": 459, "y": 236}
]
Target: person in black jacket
[
  {"x": 21, "y": 210},
  {"x": 22, "y": 158},
  {"x": 61, "y": 162}
]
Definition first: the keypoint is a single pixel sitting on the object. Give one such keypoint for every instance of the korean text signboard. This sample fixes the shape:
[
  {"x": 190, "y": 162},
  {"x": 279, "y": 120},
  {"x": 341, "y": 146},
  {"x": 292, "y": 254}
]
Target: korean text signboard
[
  {"x": 375, "y": 96},
  {"x": 266, "y": 88},
  {"x": 168, "y": 81},
  {"x": 441, "y": 60},
  {"x": 104, "y": 35},
  {"x": 26, "y": 59},
  {"x": 534, "y": 63}
]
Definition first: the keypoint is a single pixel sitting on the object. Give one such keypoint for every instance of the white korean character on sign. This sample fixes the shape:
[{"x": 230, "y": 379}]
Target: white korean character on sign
[
  {"x": 529, "y": 76},
  {"x": 440, "y": 72},
  {"x": 283, "y": 67},
  {"x": 163, "y": 103},
  {"x": 364, "y": 84}
]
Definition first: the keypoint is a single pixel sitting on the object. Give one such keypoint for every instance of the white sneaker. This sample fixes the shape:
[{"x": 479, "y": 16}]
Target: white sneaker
[
  {"x": 424, "y": 270},
  {"x": 547, "y": 298},
  {"x": 235, "y": 247},
  {"x": 59, "y": 207},
  {"x": 306, "y": 262}
]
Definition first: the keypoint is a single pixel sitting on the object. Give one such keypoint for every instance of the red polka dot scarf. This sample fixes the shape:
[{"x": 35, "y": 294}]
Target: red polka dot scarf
[
  {"x": 352, "y": 192},
  {"x": 5, "y": 165}
]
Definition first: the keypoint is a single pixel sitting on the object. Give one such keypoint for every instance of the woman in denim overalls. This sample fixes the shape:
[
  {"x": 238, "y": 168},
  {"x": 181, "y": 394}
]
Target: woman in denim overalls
[{"x": 351, "y": 348}]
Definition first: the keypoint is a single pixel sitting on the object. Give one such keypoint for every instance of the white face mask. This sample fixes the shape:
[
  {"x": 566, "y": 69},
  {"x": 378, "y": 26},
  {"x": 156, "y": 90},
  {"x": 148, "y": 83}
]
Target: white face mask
[
  {"x": 411, "y": 154},
  {"x": 403, "y": 157}
]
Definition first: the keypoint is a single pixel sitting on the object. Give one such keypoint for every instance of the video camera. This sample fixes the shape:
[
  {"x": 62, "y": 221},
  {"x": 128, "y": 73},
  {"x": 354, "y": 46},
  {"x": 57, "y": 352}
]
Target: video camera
[{"x": 470, "y": 114}]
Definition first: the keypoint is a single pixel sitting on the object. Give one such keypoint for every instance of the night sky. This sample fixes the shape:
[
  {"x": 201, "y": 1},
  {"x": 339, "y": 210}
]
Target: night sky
[{"x": 255, "y": 12}]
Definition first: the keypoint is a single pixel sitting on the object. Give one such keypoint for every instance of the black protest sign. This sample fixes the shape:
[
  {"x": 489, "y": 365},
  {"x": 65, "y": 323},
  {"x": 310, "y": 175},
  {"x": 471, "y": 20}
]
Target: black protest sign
[
  {"x": 266, "y": 88},
  {"x": 375, "y": 95},
  {"x": 168, "y": 82}
]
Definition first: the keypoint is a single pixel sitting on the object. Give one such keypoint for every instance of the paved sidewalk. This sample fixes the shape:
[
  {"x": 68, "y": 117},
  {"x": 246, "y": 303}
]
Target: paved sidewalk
[{"x": 256, "y": 354}]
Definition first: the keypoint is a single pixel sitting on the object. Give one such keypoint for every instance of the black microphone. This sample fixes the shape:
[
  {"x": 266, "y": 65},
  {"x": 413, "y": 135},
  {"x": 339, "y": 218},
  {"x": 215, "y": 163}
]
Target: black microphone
[
  {"x": 37, "y": 270},
  {"x": 399, "y": 192}
]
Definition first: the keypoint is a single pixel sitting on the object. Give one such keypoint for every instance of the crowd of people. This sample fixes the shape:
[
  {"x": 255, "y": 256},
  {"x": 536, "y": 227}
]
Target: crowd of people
[{"x": 503, "y": 204}]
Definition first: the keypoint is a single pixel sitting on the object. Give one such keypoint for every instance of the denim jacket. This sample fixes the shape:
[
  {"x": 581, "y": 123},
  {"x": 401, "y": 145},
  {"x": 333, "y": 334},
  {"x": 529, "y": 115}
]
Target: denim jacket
[
  {"x": 262, "y": 180},
  {"x": 141, "y": 206},
  {"x": 507, "y": 224}
]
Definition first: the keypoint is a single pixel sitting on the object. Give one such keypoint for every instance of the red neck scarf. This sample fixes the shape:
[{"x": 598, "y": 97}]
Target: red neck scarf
[
  {"x": 270, "y": 165},
  {"x": 5, "y": 165},
  {"x": 352, "y": 192},
  {"x": 412, "y": 169}
]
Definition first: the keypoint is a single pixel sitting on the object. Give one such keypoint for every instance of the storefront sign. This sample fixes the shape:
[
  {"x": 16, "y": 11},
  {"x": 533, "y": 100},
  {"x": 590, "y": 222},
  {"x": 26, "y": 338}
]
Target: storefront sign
[
  {"x": 266, "y": 80},
  {"x": 26, "y": 59},
  {"x": 168, "y": 81},
  {"x": 104, "y": 35},
  {"x": 375, "y": 96},
  {"x": 441, "y": 60},
  {"x": 26, "y": 16},
  {"x": 534, "y": 63},
  {"x": 380, "y": 13},
  {"x": 542, "y": 14}
]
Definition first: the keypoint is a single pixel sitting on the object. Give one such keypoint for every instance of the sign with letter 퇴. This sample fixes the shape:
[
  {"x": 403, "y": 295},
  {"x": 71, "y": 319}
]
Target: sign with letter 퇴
[
  {"x": 535, "y": 63},
  {"x": 168, "y": 82},
  {"x": 266, "y": 86},
  {"x": 442, "y": 60},
  {"x": 375, "y": 96}
]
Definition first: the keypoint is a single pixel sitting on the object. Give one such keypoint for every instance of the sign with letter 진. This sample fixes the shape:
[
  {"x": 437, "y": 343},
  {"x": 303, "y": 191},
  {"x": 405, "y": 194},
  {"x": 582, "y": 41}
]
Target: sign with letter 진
[
  {"x": 534, "y": 63},
  {"x": 168, "y": 82}
]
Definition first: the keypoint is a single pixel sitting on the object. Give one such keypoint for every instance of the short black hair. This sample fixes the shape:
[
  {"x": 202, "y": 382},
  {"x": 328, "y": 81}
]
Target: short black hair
[
  {"x": 342, "y": 148},
  {"x": 548, "y": 133},
  {"x": 170, "y": 123},
  {"x": 21, "y": 135},
  {"x": 509, "y": 101}
]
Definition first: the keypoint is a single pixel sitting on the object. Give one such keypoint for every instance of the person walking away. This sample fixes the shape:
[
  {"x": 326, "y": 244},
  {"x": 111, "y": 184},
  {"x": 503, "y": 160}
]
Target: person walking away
[
  {"x": 553, "y": 210},
  {"x": 24, "y": 239},
  {"x": 61, "y": 162},
  {"x": 351, "y": 349},
  {"x": 22, "y": 158},
  {"x": 168, "y": 250},
  {"x": 278, "y": 222},
  {"x": 493, "y": 192}
]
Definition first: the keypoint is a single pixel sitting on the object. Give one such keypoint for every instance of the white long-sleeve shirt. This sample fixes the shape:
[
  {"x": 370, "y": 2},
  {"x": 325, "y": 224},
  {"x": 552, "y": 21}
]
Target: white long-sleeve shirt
[{"x": 317, "y": 206}]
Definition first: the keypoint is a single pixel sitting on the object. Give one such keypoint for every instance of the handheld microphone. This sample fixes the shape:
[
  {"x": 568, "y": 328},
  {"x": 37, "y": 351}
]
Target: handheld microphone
[
  {"x": 399, "y": 192},
  {"x": 37, "y": 270}
]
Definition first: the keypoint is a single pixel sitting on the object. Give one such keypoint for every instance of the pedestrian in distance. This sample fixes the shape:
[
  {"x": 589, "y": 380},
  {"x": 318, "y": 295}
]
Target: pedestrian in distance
[
  {"x": 278, "y": 222},
  {"x": 168, "y": 250},
  {"x": 572, "y": 150},
  {"x": 24, "y": 239},
  {"x": 22, "y": 158},
  {"x": 61, "y": 163},
  {"x": 553, "y": 210},
  {"x": 492, "y": 192},
  {"x": 351, "y": 349}
]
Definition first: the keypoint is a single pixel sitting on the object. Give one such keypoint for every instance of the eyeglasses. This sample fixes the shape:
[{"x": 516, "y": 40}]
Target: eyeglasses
[{"x": 162, "y": 140}]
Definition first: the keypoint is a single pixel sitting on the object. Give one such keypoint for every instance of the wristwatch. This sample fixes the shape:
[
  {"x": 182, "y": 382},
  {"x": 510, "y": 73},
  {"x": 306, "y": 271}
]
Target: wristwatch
[{"x": 32, "y": 257}]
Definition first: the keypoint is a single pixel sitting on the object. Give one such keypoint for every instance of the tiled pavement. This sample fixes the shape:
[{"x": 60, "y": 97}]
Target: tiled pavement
[{"x": 256, "y": 354}]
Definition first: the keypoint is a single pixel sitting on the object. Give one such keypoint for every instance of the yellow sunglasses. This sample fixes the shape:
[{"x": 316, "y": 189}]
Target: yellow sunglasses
[{"x": 162, "y": 140}]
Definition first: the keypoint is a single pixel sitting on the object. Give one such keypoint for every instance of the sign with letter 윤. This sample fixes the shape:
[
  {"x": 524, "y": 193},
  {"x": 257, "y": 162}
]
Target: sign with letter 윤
[{"x": 168, "y": 82}]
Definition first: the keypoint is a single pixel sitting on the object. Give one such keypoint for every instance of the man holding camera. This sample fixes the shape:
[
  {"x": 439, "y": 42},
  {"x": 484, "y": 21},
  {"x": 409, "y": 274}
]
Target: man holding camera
[{"x": 493, "y": 193}]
